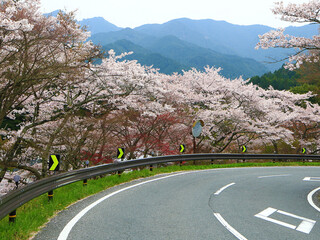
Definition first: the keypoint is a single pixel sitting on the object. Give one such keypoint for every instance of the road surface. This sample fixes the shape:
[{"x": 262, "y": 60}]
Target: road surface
[{"x": 235, "y": 203}]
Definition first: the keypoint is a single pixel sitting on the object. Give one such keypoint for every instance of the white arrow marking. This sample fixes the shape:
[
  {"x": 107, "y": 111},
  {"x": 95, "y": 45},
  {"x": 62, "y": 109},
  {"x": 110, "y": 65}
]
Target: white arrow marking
[
  {"x": 305, "y": 226},
  {"x": 316, "y": 179}
]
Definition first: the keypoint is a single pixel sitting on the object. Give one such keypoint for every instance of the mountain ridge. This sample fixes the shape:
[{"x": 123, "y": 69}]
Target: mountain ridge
[{"x": 216, "y": 41}]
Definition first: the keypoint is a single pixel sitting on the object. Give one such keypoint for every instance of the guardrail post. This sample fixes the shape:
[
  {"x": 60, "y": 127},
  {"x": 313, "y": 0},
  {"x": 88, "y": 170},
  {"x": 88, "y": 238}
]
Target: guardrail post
[
  {"x": 274, "y": 160},
  {"x": 50, "y": 195},
  {"x": 85, "y": 182},
  {"x": 12, "y": 216}
]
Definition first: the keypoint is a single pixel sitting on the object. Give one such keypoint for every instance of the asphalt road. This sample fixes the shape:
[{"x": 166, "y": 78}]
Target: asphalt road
[{"x": 238, "y": 203}]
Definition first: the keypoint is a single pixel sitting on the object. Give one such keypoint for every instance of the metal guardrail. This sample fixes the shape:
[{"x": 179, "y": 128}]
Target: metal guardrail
[{"x": 20, "y": 196}]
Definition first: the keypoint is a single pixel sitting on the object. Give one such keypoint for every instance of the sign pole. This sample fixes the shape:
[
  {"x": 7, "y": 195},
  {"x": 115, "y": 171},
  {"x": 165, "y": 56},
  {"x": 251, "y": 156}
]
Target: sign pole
[
  {"x": 196, "y": 131},
  {"x": 12, "y": 216}
]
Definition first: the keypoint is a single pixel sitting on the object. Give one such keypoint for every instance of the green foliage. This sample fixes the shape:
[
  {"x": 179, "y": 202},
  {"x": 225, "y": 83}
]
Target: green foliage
[
  {"x": 283, "y": 147},
  {"x": 308, "y": 88},
  {"x": 12, "y": 124},
  {"x": 282, "y": 79}
]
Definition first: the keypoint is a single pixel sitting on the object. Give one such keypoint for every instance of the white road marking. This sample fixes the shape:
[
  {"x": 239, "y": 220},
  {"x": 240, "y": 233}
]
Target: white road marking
[
  {"x": 228, "y": 227},
  {"x": 305, "y": 226},
  {"x": 315, "y": 179},
  {"x": 310, "y": 199},
  {"x": 269, "y": 176},
  {"x": 66, "y": 230},
  {"x": 223, "y": 188},
  {"x": 267, "y": 212}
]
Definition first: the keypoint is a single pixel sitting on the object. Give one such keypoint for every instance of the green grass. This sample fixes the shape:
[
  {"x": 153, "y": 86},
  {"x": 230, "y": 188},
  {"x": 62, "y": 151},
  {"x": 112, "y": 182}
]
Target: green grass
[{"x": 32, "y": 215}]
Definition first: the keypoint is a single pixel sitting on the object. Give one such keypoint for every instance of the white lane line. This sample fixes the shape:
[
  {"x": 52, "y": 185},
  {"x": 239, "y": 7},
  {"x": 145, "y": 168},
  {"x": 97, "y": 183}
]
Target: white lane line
[
  {"x": 316, "y": 179},
  {"x": 223, "y": 188},
  {"x": 228, "y": 227},
  {"x": 305, "y": 226},
  {"x": 310, "y": 199},
  {"x": 66, "y": 230},
  {"x": 269, "y": 176}
]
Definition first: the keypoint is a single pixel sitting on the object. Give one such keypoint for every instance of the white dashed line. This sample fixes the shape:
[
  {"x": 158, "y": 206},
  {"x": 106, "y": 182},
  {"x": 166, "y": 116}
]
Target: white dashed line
[
  {"x": 270, "y": 176},
  {"x": 312, "y": 179},
  {"x": 228, "y": 227},
  {"x": 223, "y": 188}
]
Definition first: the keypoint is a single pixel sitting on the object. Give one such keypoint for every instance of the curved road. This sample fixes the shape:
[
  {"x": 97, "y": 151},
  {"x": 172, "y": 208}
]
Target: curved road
[{"x": 237, "y": 203}]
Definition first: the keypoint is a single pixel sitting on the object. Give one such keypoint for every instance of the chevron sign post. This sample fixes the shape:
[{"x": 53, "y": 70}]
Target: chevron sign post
[
  {"x": 54, "y": 162},
  {"x": 182, "y": 148},
  {"x": 120, "y": 153},
  {"x": 244, "y": 149}
]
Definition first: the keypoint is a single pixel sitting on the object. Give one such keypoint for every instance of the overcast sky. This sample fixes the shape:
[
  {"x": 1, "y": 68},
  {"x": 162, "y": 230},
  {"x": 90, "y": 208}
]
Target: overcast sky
[{"x": 133, "y": 13}]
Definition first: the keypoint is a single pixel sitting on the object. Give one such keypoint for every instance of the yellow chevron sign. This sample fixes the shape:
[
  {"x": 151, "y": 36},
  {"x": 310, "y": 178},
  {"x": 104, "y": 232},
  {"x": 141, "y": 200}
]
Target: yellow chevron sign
[
  {"x": 54, "y": 162},
  {"x": 120, "y": 152},
  {"x": 244, "y": 148},
  {"x": 182, "y": 148},
  {"x": 304, "y": 150}
]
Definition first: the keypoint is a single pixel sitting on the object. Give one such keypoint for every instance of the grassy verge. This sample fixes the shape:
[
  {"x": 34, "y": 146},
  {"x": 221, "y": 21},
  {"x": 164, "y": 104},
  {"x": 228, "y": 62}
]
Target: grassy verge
[{"x": 32, "y": 215}]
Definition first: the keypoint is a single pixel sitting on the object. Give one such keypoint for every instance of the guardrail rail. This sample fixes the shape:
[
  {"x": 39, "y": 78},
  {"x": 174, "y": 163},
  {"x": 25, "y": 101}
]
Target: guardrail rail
[{"x": 20, "y": 196}]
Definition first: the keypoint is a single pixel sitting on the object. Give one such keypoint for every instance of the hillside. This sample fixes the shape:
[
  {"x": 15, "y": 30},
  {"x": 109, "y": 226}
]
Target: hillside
[
  {"x": 146, "y": 57},
  {"x": 171, "y": 54},
  {"x": 98, "y": 24},
  {"x": 225, "y": 37},
  {"x": 198, "y": 57}
]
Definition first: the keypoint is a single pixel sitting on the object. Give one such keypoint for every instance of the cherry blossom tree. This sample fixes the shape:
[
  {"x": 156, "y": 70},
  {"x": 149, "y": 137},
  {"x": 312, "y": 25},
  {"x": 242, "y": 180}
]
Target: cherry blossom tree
[
  {"x": 36, "y": 51},
  {"x": 149, "y": 135},
  {"x": 307, "y": 49},
  {"x": 111, "y": 86},
  {"x": 233, "y": 110}
]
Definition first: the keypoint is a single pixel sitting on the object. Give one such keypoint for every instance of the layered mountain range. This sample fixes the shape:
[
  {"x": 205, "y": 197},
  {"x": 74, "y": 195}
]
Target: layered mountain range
[{"x": 184, "y": 43}]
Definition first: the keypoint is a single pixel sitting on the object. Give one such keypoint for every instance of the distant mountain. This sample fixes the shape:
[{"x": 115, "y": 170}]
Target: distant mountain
[
  {"x": 171, "y": 54},
  {"x": 202, "y": 42},
  {"x": 225, "y": 37},
  {"x": 145, "y": 56},
  {"x": 54, "y": 13},
  {"x": 98, "y": 24},
  {"x": 95, "y": 25},
  {"x": 192, "y": 55},
  {"x": 186, "y": 30},
  {"x": 126, "y": 33}
]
